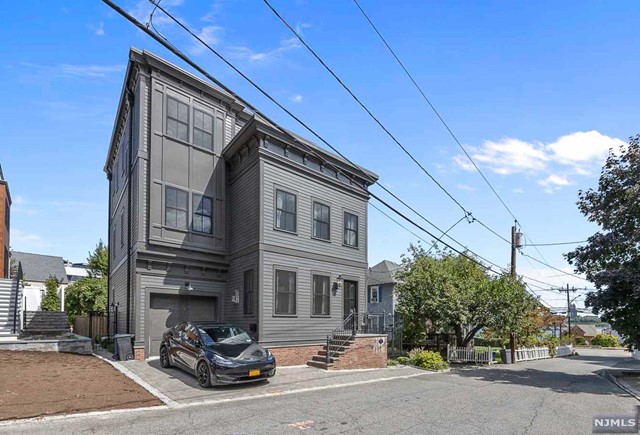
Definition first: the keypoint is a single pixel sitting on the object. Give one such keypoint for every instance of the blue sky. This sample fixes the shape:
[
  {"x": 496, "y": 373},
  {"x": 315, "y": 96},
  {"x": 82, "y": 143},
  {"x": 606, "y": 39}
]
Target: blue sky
[{"x": 537, "y": 93}]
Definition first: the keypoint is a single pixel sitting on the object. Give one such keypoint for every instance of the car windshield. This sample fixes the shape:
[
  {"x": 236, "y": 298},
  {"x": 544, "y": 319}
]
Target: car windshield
[{"x": 223, "y": 334}]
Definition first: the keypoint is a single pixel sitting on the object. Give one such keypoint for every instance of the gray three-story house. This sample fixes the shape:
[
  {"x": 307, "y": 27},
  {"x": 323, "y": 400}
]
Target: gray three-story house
[{"x": 215, "y": 214}]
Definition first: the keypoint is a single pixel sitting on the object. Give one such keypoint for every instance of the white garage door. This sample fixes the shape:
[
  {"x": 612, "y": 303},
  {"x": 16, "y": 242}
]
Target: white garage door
[{"x": 166, "y": 311}]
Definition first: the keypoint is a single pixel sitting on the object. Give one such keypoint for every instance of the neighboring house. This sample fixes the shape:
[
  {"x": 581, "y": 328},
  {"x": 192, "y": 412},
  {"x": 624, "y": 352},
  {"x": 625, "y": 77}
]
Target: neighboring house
[
  {"x": 215, "y": 214},
  {"x": 37, "y": 269},
  {"x": 76, "y": 271},
  {"x": 5, "y": 226},
  {"x": 585, "y": 331},
  {"x": 381, "y": 283}
]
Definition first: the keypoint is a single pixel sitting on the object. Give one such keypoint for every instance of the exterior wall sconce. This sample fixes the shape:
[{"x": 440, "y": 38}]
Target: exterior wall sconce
[
  {"x": 187, "y": 286},
  {"x": 338, "y": 284},
  {"x": 235, "y": 297}
]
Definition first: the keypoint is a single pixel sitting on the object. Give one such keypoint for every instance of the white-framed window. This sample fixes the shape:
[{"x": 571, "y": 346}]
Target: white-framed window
[
  {"x": 321, "y": 221},
  {"x": 374, "y": 294},
  {"x": 285, "y": 292},
  {"x": 202, "y": 129},
  {"x": 321, "y": 297},
  {"x": 176, "y": 208},
  {"x": 202, "y": 214}
]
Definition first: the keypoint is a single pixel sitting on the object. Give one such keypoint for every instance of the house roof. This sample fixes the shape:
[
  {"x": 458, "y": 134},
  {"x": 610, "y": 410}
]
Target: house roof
[
  {"x": 588, "y": 330},
  {"x": 383, "y": 273},
  {"x": 39, "y": 268}
]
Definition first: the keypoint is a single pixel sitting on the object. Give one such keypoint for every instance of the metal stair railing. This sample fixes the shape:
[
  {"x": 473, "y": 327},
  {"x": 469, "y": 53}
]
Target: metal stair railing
[
  {"x": 348, "y": 329},
  {"x": 19, "y": 278}
]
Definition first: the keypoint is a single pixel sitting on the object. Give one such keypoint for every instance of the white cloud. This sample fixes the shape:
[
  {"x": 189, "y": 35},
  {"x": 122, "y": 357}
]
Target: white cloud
[
  {"x": 69, "y": 71},
  {"x": 21, "y": 206},
  {"x": 210, "y": 35},
  {"x": 518, "y": 190},
  {"x": 25, "y": 240},
  {"x": 466, "y": 187},
  {"x": 248, "y": 54},
  {"x": 297, "y": 98},
  {"x": 99, "y": 30},
  {"x": 579, "y": 153},
  {"x": 554, "y": 182}
]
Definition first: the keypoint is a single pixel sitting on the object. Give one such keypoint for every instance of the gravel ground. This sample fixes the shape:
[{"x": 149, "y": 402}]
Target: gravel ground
[{"x": 34, "y": 384}]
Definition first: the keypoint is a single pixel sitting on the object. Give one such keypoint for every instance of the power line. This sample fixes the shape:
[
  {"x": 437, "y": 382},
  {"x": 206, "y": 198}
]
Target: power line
[
  {"x": 555, "y": 244},
  {"x": 185, "y": 58},
  {"x": 573, "y": 275},
  {"x": 424, "y": 96}
]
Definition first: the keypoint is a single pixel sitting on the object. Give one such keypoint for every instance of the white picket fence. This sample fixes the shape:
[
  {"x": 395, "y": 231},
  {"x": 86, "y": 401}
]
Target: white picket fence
[
  {"x": 470, "y": 355},
  {"x": 564, "y": 350},
  {"x": 528, "y": 354}
]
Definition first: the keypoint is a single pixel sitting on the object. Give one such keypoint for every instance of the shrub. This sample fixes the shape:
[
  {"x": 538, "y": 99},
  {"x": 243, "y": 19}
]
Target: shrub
[
  {"x": 427, "y": 360},
  {"x": 392, "y": 362},
  {"x": 580, "y": 341},
  {"x": 51, "y": 300},
  {"x": 403, "y": 360},
  {"x": 604, "y": 340}
]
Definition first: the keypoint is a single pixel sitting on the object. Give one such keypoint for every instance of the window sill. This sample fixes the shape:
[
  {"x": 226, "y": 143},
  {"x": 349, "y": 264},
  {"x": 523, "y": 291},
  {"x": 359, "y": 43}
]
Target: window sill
[
  {"x": 321, "y": 316},
  {"x": 321, "y": 239},
  {"x": 293, "y": 233},
  {"x": 184, "y": 142},
  {"x": 285, "y": 315},
  {"x": 350, "y": 246}
]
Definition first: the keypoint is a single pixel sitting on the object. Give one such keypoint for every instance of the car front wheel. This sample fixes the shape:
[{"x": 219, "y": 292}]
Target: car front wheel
[
  {"x": 164, "y": 357},
  {"x": 203, "y": 374}
]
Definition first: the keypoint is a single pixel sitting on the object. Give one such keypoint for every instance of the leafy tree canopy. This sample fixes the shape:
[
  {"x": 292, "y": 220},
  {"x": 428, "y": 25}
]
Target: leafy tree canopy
[
  {"x": 85, "y": 295},
  {"x": 611, "y": 257},
  {"x": 51, "y": 300},
  {"x": 450, "y": 292},
  {"x": 98, "y": 261}
]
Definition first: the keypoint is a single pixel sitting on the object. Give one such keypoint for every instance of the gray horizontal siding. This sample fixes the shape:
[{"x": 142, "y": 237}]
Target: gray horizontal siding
[
  {"x": 303, "y": 328},
  {"x": 308, "y": 190},
  {"x": 234, "y": 313},
  {"x": 244, "y": 206},
  {"x": 118, "y": 284}
]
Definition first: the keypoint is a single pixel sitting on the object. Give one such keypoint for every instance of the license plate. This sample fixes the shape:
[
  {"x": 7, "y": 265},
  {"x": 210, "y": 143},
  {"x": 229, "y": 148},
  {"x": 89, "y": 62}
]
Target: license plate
[{"x": 254, "y": 372}]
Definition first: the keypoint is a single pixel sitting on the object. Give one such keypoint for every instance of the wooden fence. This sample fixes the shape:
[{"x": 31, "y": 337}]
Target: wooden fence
[
  {"x": 90, "y": 326},
  {"x": 470, "y": 355}
]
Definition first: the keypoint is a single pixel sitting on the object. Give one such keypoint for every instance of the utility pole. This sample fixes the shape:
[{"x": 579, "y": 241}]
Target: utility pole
[
  {"x": 568, "y": 309},
  {"x": 515, "y": 244}
]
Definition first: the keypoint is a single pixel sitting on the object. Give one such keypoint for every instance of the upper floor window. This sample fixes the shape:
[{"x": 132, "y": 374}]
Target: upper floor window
[
  {"x": 176, "y": 208},
  {"x": 248, "y": 292},
  {"x": 285, "y": 292},
  {"x": 321, "y": 297},
  {"x": 202, "y": 214},
  {"x": 285, "y": 211},
  {"x": 177, "y": 119},
  {"x": 350, "y": 229},
  {"x": 321, "y": 221},
  {"x": 374, "y": 294},
  {"x": 202, "y": 129},
  {"x": 121, "y": 229}
]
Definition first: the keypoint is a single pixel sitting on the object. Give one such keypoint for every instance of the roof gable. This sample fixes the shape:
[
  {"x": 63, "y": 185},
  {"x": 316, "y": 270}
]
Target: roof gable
[{"x": 39, "y": 268}]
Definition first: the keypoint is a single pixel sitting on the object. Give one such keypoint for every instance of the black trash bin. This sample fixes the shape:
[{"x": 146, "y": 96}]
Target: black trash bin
[{"x": 123, "y": 347}]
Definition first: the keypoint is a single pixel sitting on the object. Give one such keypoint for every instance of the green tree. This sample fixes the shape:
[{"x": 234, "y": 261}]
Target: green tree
[
  {"x": 604, "y": 340},
  {"x": 85, "y": 295},
  {"x": 611, "y": 257},
  {"x": 51, "y": 300},
  {"x": 98, "y": 261},
  {"x": 449, "y": 292}
]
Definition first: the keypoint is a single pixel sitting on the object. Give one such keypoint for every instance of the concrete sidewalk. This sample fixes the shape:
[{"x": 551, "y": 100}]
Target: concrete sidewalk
[{"x": 182, "y": 388}]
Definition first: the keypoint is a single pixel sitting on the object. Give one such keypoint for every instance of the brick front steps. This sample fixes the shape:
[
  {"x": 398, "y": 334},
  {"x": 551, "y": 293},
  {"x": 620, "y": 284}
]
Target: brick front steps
[{"x": 359, "y": 352}]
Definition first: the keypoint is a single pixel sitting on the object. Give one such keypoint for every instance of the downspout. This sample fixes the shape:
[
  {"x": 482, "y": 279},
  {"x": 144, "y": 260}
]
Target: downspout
[
  {"x": 129, "y": 196},
  {"x": 109, "y": 260}
]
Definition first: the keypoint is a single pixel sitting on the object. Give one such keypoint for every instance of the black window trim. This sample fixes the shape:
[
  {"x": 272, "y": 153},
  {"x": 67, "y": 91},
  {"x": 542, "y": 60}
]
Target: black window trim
[
  {"x": 315, "y": 273},
  {"x": 251, "y": 312},
  {"x": 277, "y": 269},
  {"x": 164, "y": 210},
  {"x": 194, "y": 213}
]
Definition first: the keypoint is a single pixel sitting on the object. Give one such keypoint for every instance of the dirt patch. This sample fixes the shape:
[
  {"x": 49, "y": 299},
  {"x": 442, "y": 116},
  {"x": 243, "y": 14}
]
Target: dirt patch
[{"x": 34, "y": 384}]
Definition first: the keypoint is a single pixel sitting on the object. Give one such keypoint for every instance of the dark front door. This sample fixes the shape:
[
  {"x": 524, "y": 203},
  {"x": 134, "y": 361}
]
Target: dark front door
[{"x": 350, "y": 297}]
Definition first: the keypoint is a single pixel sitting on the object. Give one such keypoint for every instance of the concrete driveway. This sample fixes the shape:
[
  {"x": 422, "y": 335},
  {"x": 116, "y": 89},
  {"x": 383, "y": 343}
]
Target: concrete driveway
[{"x": 177, "y": 387}]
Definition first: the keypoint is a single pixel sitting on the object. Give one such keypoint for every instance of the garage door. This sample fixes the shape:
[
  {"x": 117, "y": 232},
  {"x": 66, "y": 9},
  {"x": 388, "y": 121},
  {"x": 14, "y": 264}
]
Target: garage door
[{"x": 165, "y": 311}]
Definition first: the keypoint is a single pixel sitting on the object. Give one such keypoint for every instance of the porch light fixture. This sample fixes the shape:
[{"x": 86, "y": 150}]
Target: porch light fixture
[
  {"x": 339, "y": 282},
  {"x": 187, "y": 286}
]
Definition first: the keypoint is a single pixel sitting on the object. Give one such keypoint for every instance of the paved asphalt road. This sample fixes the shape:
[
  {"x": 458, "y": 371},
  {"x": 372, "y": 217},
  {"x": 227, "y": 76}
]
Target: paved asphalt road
[{"x": 539, "y": 397}]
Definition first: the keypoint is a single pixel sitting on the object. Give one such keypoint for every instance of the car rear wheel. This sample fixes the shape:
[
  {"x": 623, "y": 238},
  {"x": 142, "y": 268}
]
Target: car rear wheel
[
  {"x": 164, "y": 357},
  {"x": 203, "y": 374}
]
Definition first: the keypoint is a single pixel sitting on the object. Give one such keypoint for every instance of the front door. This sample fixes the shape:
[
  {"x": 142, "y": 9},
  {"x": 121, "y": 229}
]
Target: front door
[{"x": 350, "y": 297}]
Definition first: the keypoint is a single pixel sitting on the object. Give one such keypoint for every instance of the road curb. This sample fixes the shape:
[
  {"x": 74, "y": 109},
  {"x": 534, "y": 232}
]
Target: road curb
[
  {"x": 144, "y": 384},
  {"x": 622, "y": 385}
]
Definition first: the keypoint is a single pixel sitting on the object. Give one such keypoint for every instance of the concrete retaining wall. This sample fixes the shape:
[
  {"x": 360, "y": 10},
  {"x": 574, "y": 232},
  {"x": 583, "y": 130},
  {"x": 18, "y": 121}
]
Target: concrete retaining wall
[{"x": 80, "y": 345}]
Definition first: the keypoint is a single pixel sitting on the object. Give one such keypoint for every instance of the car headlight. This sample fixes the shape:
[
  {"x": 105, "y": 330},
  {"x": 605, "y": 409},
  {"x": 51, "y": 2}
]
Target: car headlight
[{"x": 220, "y": 361}]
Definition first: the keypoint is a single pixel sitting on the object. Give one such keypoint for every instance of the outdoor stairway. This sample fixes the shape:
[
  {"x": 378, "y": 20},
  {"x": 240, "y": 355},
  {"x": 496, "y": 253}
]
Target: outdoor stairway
[
  {"x": 338, "y": 345},
  {"x": 7, "y": 303},
  {"x": 46, "y": 322}
]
